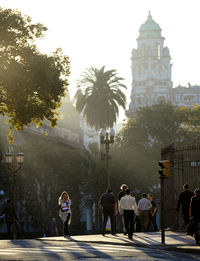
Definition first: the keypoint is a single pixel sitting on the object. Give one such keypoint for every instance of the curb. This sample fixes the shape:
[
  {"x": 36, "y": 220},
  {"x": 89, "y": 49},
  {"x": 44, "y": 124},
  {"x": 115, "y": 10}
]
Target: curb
[{"x": 193, "y": 250}]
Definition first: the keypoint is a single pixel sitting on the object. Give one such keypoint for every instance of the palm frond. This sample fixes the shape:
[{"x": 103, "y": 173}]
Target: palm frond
[{"x": 99, "y": 96}]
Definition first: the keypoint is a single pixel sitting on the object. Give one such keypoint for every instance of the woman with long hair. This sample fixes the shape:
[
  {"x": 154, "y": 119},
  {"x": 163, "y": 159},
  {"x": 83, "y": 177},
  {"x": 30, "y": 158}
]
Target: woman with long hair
[{"x": 64, "y": 204}]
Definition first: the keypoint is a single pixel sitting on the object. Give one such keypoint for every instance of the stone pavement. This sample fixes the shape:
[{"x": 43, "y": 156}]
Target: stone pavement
[{"x": 176, "y": 241}]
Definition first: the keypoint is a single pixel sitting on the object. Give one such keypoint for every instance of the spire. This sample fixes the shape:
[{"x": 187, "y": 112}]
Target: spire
[{"x": 149, "y": 17}]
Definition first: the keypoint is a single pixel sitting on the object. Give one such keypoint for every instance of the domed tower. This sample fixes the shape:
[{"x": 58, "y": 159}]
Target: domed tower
[{"x": 151, "y": 68}]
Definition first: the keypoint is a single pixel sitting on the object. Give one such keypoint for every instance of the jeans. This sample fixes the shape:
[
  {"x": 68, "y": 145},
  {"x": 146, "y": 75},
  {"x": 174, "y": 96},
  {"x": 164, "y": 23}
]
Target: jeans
[{"x": 66, "y": 225}]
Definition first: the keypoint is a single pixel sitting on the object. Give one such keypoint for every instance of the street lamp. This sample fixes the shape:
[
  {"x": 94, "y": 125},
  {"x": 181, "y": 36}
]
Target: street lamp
[
  {"x": 107, "y": 138},
  {"x": 20, "y": 161}
]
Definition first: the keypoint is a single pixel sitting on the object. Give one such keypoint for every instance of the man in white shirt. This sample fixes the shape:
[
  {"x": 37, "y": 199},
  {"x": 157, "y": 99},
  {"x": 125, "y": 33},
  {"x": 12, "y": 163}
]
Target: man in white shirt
[
  {"x": 128, "y": 207},
  {"x": 144, "y": 208}
]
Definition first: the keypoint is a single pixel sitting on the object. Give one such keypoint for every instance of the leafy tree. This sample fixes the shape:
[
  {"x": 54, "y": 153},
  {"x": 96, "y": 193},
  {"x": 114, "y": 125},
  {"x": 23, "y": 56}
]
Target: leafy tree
[
  {"x": 94, "y": 180},
  {"x": 50, "y": 167},
  {"x": 99, "y": 97},
  {"x": 96, "y": 172},
  {"x": 71, "y": 119},
  {"x": 31, "y": 83},
  {"x": 40, "y": 183},
  {"x": 138, "y": 146},
  {"x": 41, "y": 180}
]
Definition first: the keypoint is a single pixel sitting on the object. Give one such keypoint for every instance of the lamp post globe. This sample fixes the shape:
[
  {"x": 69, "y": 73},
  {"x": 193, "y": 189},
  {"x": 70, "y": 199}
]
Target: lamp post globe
[
  {"x": 9, "y": 158},
  {"x": 102, "y": 135},
  {"x": 112, "y": 135},
  {"x": 20, "y": 158}
]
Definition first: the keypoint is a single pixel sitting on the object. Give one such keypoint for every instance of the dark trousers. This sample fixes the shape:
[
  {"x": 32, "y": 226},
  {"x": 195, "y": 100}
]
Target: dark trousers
[
  {"x": 196, "y": 231},
  {"x": 144, "y": 220},
  {"x": 152, "y": 223},
  {"x": 129, "y": 222},
  {"x": 66, "y": 225},
  {"x": 186, "y": 218},
  {"x": 9, "y": 225},
  {"x": 108, "y": 213}
]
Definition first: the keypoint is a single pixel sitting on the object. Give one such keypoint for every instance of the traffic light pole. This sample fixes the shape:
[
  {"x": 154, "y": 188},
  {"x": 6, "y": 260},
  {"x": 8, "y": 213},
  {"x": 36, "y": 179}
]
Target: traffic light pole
[{"x": 162, "y": 211}]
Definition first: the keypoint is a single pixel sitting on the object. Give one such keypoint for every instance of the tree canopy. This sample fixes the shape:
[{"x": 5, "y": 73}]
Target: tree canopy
[
  {"x": 50, "y": 167},
  {"x": 138, "y": 146},
  {"x": 99, "y": 96},
  {"x": 32, "y": 84}
]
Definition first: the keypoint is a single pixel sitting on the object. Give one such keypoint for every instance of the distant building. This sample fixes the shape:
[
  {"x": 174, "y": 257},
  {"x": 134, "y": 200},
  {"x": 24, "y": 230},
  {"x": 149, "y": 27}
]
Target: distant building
[
  {"x": 89, "y": 134},
  {"x": 151, "y": 72}
]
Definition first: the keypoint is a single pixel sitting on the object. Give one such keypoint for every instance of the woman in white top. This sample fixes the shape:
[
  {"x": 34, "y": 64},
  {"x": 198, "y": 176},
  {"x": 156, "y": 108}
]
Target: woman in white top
[{"x": 64, "y": 204}]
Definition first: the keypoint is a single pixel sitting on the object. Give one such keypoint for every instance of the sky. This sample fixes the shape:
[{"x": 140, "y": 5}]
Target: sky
[{"x": 94, "y": 33}]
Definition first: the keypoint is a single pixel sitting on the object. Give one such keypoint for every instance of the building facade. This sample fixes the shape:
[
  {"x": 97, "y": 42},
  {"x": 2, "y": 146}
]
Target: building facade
[
  {"x": 151, "y": 72},
  {"x": 89, "y": 134}
]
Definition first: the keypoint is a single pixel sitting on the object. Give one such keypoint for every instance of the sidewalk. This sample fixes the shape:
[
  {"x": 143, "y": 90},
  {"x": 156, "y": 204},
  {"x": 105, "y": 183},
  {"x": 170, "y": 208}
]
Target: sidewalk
[{"x": 176, "y": 241}]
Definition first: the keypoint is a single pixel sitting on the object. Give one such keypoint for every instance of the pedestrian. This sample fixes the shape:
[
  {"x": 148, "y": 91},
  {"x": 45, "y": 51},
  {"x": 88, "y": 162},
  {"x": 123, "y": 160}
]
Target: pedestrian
[
  {"x": 108, "y": 208},
  {"x": 184, "y": 200},
  {"x": 128, "y": 207},
  {"x": 123, "y": 191},
  {"x": 195, "y": 213},
  {"x": 152, "y": 214},
  {"x": 10, "y": 216},
  {"x": 120, "y": 195},
  {"x": 64, "y": 204},
  {"x": 144, "y": 206},
  {"x": 52, "y": 228}
]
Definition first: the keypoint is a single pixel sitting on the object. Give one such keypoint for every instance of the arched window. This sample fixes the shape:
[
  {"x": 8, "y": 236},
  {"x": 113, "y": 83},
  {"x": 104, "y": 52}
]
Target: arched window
[{"x": 139, "y": 100}]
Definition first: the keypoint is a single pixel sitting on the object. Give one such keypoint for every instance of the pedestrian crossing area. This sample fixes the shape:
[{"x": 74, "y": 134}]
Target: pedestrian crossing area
[
  {"x": 71, "y": 247},
  {"x": 40, "y": 251}
]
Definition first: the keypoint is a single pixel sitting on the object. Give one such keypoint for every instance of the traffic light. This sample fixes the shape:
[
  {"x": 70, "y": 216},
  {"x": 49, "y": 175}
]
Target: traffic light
[{"x": 164, "y": 168}]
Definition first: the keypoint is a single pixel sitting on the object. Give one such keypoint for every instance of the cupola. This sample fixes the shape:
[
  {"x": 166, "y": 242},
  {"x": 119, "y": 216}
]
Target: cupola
[{"x": 150, "y": 29}]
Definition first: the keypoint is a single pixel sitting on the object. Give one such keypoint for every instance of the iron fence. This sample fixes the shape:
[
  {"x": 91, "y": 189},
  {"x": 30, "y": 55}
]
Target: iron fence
[{"x": 184, "y": 169}]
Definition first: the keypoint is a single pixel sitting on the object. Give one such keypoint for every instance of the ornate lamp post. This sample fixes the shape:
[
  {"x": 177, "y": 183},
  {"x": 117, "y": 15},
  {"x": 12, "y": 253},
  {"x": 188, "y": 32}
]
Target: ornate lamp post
[
  {"x": 20, "y": 161},
  {"x": 107, "y": 138}
]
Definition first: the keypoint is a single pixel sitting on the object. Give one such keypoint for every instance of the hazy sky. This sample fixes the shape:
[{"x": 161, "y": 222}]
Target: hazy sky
[{"x": 103, "y": 32}]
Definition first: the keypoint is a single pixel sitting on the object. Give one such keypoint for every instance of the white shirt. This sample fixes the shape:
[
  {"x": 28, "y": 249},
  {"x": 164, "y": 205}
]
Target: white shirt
[
  {"x": 144, "y": 204},
  {"x": 128, "y": 203},
  {"x": 66, "y": 206}
]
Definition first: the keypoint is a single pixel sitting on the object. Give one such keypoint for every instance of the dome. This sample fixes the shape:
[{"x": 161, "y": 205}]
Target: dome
[{"x": 150, "y": 29}]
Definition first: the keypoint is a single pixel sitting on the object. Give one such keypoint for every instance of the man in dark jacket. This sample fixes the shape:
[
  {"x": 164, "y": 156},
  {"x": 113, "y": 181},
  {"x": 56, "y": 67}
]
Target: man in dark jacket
[
  {"x": 108, "y": 207},
  {"x": 184, "y": 200},
  {"x": 195, "y": 213}
]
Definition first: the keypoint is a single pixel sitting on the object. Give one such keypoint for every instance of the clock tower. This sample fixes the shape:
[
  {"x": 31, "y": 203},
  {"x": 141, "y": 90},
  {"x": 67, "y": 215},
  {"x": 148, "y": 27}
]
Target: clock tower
[{"x": 151, "y": 68}]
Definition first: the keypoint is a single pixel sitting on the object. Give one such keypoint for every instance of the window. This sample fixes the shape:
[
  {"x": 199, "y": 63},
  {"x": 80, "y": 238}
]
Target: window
[
  {"x": 157, "y": 51},
  {"x": 142, "y": 51},
  {"x": 139, "y": 100},
  {"x": 189, "y": 99},
  {"x": 161, "y": 99}
]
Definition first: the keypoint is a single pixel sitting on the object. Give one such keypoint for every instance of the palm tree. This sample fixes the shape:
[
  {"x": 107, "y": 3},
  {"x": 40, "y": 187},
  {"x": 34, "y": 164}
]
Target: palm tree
[{"x": 99, "y": 97}]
